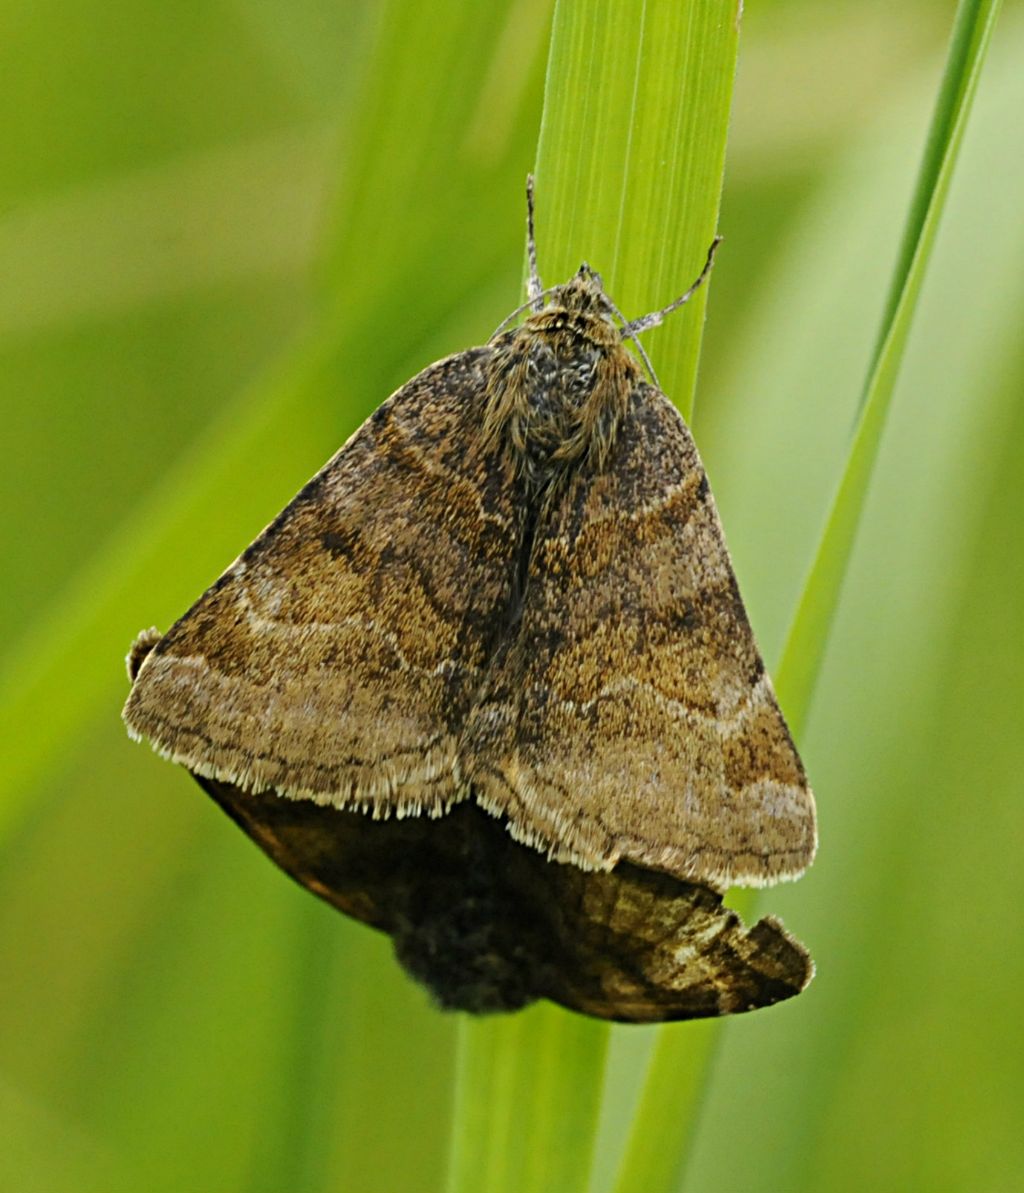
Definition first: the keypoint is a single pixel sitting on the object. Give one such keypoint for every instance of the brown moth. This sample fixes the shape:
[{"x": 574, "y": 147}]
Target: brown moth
[{"x": 487, "y": 684}]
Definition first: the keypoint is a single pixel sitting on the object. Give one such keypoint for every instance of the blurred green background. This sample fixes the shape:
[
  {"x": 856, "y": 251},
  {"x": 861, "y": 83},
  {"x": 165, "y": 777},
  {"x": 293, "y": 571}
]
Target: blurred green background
[{"x": 208, "y": 279}]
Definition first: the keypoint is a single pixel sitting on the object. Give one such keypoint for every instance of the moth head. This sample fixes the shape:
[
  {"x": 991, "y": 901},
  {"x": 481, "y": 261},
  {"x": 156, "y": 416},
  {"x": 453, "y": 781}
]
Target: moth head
[{"x": 583, "y": 292}]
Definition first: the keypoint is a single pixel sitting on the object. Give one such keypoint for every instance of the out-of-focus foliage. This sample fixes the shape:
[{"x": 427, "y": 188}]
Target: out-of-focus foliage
[{"x": 208, "y": 279}]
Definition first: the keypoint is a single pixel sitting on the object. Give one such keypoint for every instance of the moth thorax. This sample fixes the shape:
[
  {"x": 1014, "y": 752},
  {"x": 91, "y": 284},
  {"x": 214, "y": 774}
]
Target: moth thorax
[{"x": 555, "y": 399}]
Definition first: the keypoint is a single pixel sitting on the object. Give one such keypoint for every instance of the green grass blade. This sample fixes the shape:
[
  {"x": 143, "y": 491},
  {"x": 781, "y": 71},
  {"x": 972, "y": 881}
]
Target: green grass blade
[
  {"x": 657, "y": 1149},
  {"x": 630, "y": 160},
  {"x": 528, "y": 1091},
  {"x": 971, "y": 29},
  {"x": 629, "y": 175},
  {"x": 911, "y": 739},
  {"x": 669, "y": 1109},
  {"x": 805, "y": 645}
]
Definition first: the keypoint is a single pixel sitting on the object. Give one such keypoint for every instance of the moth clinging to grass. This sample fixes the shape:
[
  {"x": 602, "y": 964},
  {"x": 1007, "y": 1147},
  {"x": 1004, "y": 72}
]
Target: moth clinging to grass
[{"x": 487, "y": 684}]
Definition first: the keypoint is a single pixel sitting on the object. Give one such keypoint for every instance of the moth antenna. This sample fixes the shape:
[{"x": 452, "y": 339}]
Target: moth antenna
[
  {"x": 534, "y": 288},
  {"x": 628, "y": 333},
  {"x": 533, "y": 304},
  {"x": 632, "y": 329}
]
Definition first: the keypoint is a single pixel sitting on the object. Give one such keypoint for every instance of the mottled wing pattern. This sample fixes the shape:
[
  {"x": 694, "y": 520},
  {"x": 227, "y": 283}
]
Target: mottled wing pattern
[
  {"x": 337, "y": 657},
  {"x": 644, "y": 947},
  {"x": 631, "y": 717},
  {"x": 488, "y": 924}
]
